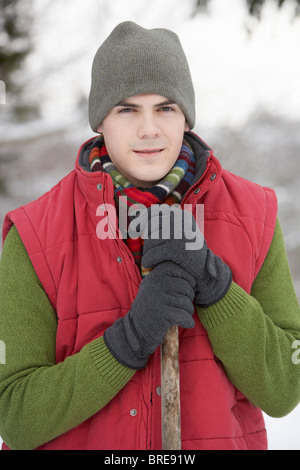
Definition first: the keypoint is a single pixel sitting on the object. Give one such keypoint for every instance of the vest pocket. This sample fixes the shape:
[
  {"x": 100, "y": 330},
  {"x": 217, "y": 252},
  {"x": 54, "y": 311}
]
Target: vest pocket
[{"x": 242, "y": 426}]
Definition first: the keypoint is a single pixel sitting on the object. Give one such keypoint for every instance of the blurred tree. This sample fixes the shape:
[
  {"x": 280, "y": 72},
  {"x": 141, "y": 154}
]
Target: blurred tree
[
  {"x": 15, "y": 43},
  {"x": 254, "y": 6}
]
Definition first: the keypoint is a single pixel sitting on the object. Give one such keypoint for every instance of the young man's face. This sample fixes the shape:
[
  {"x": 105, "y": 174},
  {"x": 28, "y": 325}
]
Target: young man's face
[{"x": 143, "y": 136}]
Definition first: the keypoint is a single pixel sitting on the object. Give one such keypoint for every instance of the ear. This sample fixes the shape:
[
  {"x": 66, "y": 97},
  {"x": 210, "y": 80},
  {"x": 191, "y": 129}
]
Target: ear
[
  {"x": 186, "y": 127},
  {"x": 99, "y": 129}
]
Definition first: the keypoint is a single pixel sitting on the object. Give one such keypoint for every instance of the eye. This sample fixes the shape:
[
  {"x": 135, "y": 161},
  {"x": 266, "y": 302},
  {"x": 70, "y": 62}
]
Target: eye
[
  {"x": 125, "y": 110},
  {"x": 167, "y": 109}
]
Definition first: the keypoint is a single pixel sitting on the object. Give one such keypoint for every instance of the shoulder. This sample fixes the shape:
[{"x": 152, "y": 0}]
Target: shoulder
[
  {"x": 247, "y": 193},
  {"x": 43, "y": 211},
  {"x": 241, "y": 214},
  {"x": 240, "y": 199}
]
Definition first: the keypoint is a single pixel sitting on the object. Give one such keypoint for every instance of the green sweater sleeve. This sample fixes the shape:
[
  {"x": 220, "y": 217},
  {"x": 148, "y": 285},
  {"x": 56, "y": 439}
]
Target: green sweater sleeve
[
  {"x": 253, "y": 335},
  {"x": 39, "y": 399}
]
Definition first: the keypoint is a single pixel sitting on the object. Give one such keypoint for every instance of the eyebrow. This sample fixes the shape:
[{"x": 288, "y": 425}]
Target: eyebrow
[{"x": 126, "y": 104}]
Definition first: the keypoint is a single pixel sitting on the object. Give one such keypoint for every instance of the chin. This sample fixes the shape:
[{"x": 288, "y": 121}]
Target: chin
[{"x": 149, "y": 183}]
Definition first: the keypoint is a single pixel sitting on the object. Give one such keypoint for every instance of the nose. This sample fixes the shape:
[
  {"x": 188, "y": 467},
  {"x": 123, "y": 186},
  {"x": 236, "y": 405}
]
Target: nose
[{"x": 148, "y": 127}]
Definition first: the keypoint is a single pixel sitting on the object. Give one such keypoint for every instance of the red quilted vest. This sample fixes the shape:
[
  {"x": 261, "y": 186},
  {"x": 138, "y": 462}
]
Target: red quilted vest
[{"x": 92, "y": 282}]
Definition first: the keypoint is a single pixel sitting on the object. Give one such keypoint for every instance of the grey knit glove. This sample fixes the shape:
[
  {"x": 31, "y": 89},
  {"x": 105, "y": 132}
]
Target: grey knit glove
[
  {"x": 179, "y": 239},
  {"x": 165, "y": 298}
]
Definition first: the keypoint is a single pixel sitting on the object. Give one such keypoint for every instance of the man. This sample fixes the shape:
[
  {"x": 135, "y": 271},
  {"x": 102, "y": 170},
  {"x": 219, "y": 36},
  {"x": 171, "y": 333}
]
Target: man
[{"x": 83, "y": 311}]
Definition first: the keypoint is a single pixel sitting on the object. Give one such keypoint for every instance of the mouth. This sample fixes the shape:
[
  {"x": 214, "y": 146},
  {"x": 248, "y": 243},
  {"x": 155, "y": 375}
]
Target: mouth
[{"x": 148, "y": 152}]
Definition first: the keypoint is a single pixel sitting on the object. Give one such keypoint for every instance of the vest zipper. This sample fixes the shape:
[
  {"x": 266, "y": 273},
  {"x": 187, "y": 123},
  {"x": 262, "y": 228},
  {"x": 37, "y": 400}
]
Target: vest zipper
[
  {"x": 140, "y": 409},
  {"x": 131, "y": 292},
  {"x": 132, "y": 296}
]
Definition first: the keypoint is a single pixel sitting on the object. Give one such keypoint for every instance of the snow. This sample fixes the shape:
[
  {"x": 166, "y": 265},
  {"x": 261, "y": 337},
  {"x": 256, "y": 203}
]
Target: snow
[
  {"x": 238, "y": 64},
  {"x": 283, "y": 433},
  {"x": 241, "y": 69}
]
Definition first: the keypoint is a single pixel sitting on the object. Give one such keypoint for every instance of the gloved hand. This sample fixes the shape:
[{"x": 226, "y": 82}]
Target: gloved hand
[
  {"x": 170, "y": 239},
  {"x": 165, "y": 298}
]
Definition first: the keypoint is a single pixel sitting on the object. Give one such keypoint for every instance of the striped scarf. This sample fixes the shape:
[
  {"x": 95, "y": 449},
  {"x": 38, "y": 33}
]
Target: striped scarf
[{"x": 170, "y": 190}]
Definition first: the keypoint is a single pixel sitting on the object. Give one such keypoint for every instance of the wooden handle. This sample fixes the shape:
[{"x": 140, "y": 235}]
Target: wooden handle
[{"x": 170, "y": 391}]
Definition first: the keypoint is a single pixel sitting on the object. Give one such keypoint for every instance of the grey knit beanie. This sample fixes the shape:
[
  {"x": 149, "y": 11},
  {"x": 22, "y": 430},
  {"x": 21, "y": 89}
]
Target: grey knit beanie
[{"x": 135, "y": 60}]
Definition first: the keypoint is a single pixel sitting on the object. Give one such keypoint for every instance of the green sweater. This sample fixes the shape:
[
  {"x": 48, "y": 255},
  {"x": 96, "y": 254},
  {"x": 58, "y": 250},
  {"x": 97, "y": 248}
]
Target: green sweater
[{"x": 252, "y": 335}]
